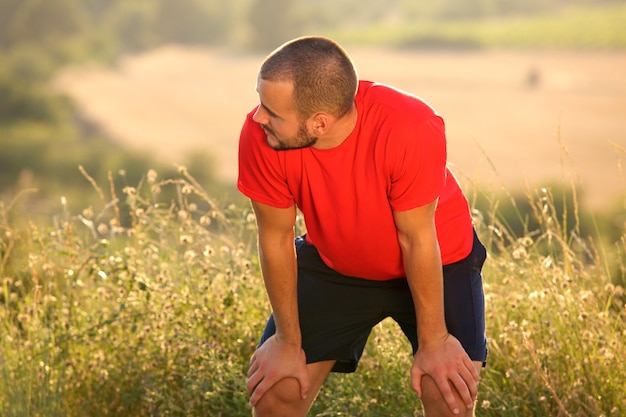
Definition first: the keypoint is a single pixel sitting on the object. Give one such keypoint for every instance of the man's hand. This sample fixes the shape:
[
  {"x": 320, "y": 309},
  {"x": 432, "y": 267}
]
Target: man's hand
[
  {"x": 272, "y": 362},
  {"x": 447, "y": 363}
]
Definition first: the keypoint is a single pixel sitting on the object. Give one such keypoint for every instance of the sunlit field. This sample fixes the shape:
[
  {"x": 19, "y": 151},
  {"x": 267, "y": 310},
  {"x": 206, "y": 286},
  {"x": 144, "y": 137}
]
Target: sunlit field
[
  {"x": 150, "y": 303},
  {"x": 508, "y": 113},
  {"x": 130, "y": 284}
]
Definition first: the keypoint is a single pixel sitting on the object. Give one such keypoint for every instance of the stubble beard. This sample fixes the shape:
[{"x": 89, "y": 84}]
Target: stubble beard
[{"x": 300, "y": 141}]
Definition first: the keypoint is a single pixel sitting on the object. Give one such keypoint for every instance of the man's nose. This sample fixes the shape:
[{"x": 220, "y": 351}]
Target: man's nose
[{"x": 260, "y": 116}]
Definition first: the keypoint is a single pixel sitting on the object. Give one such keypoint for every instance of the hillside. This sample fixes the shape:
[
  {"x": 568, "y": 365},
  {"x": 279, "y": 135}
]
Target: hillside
[{"x": 567, "y": 125}]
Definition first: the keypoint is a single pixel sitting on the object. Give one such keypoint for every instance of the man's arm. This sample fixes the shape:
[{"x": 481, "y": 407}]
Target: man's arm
[
  {"x": 439, "y": 354},
  {"x": 280, "y": 356}
]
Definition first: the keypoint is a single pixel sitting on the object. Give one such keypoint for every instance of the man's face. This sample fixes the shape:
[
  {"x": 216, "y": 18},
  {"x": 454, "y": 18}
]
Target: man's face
[{"x": 279, "y": 118}]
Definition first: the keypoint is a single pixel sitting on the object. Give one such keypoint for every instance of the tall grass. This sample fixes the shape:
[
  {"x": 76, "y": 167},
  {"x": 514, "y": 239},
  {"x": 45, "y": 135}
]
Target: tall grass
[{"x": 151, "y": 305}]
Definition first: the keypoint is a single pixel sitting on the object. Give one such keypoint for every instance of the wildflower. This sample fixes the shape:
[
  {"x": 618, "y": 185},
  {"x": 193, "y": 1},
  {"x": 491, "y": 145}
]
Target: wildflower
[
  {"x": 103, "y": 229},
  {"x": 186, "y": 239},
  {"x": 183, "y": 215},
  {"x": 205, "y": 220},
  {"x": 485, "y": 404},
  {"x": 151, "y": 176},
  {"x": 496, "y": 231},
  {"x": 608, "y": 354},
  {"x": 526, "y": 241},
  {"x": 519, "y": 253},
  {"x": 88, "y": 213},
  {"x": 129, "y": 190},
  {"x": 547, "y": 262},
  {"x": 193, "y": 207},
  {"x": 208, "y": 251}
]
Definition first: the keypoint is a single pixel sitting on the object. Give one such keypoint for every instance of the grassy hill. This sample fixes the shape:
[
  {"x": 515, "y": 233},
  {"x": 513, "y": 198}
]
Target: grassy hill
[{"x": 583, "y": 27}]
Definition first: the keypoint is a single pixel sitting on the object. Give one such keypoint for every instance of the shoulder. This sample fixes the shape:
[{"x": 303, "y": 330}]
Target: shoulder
[
  {"x": 394, "y": 102},
  {"x": 395, "y": 114}
]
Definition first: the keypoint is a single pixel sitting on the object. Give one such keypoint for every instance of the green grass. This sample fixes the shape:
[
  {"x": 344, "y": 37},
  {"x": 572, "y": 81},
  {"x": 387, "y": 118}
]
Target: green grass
[
  {"x": 151, "y": 303},
  {"x": 572, "y": 28}
]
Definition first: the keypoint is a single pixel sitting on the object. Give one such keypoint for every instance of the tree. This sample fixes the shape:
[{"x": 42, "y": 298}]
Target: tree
[
  {"x": 41, "y": 21},
  {"x": 273, "y": 22}
]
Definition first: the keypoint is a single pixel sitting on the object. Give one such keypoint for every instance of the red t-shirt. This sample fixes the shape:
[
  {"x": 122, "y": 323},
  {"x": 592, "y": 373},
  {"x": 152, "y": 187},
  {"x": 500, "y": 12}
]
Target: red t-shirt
[{"x": 394, "y": 160}]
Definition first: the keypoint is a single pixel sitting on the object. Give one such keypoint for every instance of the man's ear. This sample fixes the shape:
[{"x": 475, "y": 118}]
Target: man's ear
[{"x": 320, "y": 123}]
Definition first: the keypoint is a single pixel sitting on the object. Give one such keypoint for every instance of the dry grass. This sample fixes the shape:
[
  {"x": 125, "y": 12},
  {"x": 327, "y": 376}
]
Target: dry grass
[{"x": 150, "y": 304}]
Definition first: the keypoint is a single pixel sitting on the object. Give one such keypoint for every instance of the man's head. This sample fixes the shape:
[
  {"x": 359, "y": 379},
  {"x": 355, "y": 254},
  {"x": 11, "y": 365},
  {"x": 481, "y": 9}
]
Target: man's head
[
  {"x": 323, "y": 75},
  {"x": 304, "y": 87}
]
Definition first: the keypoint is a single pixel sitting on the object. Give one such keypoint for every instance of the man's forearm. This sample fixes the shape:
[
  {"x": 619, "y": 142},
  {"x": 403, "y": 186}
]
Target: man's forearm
[
  {"x": 279, "y": 268},
  {"x": 422, "y": 263},
  {"x": 429, "y": 310}
]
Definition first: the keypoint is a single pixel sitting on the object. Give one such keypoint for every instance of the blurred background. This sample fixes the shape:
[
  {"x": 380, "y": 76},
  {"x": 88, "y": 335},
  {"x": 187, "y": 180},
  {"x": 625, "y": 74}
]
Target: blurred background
[{"x": 533, "y": 92}]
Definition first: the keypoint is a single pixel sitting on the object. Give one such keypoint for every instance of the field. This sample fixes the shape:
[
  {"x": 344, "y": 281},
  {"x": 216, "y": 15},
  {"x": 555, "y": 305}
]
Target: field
[
  {"x": 147, "y": 305},
  {"x": 513, "y": 117},
  {"x": 149, "y": 302},
  {"x": 139, "y": 293}
]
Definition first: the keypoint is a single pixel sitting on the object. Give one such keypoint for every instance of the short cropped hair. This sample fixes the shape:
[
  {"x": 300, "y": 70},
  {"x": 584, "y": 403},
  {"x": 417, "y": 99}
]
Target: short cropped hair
[{"x": 323, "y": 74}]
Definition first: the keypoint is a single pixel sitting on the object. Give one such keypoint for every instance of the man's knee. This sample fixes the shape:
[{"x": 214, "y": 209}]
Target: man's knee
[
  {"x": 434, "y": 403},
  {"x": 283, "y": 399}
]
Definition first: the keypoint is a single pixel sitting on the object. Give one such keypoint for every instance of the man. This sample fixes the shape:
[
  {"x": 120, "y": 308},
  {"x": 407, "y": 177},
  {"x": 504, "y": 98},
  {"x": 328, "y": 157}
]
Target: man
[{"x": 366, "y": 165}]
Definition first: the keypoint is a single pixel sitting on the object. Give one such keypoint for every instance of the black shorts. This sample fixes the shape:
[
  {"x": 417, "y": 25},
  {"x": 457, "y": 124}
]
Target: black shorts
[{"x": 338, "y": 312}]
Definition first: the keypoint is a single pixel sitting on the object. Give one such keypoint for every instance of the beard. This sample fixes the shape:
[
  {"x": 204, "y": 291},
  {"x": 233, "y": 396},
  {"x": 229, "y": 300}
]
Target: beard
[{"x": 301, "y": 140}]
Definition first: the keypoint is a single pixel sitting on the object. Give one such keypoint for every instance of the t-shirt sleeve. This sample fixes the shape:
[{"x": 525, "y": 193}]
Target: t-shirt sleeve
[
  {"x": 261, "y": 177},
  {"x": 418, "y": 170}
]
